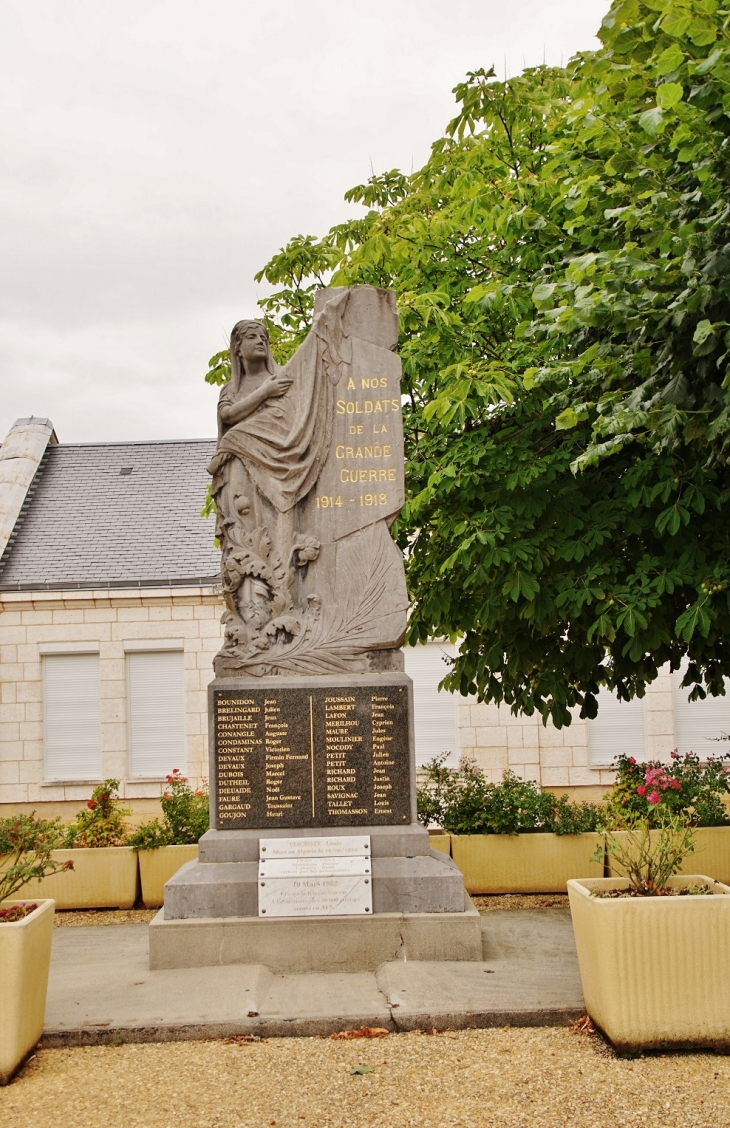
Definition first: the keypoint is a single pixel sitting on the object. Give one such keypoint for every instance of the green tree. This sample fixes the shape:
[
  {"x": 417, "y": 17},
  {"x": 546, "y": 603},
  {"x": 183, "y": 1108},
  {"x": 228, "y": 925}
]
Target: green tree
[{"x": 562, "y": 264}]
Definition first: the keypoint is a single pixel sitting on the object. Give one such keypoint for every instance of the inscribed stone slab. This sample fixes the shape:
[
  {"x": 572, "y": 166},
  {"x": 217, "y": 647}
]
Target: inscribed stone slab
[
  {"x": 315, "y": 756},
  {"x": 344, "y": 846},
  {"x": 314, "y": 867},
  {"x": 316, "y": 896}
]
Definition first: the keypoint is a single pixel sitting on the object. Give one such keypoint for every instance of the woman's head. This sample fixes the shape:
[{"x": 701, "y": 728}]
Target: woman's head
[{"x": 249, "y": 343}]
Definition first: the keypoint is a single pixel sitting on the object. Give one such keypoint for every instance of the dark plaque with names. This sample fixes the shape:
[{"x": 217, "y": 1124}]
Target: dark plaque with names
[{"x": 311, "y": 757}]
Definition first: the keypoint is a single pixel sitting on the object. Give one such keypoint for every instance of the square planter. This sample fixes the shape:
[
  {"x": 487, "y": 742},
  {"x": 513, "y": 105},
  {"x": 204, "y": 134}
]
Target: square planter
[
  {"x": 524, "y": 863},
  {"x": 25, "y": 956},
  {"x": 158, "y": 866},
  {"x": 440, "y": 842},
  {"x": 655, "y": 970},
  {"x": 711, "y": 854},
  {"x": 105, "y": 878}
]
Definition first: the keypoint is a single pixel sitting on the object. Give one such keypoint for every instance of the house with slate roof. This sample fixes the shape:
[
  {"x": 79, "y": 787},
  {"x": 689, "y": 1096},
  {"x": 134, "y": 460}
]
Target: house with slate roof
[
  {"x": 109, "y": 617},
  {"x": 110, "y": 613}
]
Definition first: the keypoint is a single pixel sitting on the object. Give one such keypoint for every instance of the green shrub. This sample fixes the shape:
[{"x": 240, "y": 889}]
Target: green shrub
[
  {"x": 26, "y": 843},
  {"x": 566, "y": 817},
  {"x": 102, "y": 821},
  {"x": 186, "y": 816},
  {"x": 150, "y": 836},
  {"x": 463, "y": 802}
]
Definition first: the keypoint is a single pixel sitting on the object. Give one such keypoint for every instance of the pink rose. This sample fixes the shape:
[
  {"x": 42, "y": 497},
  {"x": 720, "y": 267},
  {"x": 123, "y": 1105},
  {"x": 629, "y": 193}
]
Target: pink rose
[
  {"x": 653, "y": 797},
  {"x": 641, "y": 790}
]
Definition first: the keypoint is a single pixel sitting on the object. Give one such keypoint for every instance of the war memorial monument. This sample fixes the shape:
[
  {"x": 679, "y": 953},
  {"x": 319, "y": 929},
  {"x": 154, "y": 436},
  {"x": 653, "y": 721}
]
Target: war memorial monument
[{"x": 315, "y": 860}]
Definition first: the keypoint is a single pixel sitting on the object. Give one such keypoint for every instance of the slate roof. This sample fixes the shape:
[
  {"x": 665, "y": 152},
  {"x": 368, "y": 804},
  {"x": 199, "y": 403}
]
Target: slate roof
[{"x": 90, "y": 521}]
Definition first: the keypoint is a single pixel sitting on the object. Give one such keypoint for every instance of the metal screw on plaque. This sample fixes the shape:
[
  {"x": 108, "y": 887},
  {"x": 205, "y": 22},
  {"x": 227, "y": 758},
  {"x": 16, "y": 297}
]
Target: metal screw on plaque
[
  {"x": 263, "y": 911},
  {"x": 263, "y": 883},
  {"x": 367, "y": 910},
  {"x": 366, "y": 881}
]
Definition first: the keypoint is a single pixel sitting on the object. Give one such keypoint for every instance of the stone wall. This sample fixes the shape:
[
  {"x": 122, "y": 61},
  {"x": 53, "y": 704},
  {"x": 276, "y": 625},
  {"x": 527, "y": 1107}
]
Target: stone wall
[
  {"x": 555, "y": 758},
  {"x": 110, "y": 618}
]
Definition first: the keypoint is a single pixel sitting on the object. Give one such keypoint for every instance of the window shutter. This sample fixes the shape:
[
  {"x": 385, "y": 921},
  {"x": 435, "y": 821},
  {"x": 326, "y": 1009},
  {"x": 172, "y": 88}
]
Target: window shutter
[
  {"x": 435, "y": 711},
  {"x": 697, "y": 724},
  {"x": 71, "y": 714},
  {"x": 617, "y": 730},
  {"x": 156, "y": 713}
]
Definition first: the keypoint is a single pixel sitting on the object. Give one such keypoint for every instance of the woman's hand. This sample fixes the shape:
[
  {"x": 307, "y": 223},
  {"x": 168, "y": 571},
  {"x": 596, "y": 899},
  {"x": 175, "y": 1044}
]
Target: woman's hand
[{"x": 277, "y": 385}]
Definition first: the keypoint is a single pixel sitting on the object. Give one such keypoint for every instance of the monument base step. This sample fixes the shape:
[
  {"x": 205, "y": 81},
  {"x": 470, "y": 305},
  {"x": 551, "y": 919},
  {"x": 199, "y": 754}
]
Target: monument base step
[
  {"x": 243, "y": 845},
  {"x": 293, "y": 945},
  {"x": 420, "y": 884}
]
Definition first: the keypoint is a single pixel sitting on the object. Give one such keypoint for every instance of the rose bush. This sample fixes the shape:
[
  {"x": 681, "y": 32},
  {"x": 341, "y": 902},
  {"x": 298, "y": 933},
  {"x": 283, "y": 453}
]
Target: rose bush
[
  {"x": 186, "y": 816},
  {"x": 686, "y": 787},
  {"x": 102, "y": 822}
]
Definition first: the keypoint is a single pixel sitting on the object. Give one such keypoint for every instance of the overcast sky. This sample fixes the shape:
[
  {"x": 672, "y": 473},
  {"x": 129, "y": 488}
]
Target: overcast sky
[{"x": 155, "y": 154}]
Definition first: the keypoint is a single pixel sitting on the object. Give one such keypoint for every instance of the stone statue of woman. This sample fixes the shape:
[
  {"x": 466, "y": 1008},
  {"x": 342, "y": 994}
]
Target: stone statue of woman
[{"x": 275, "y": 431}]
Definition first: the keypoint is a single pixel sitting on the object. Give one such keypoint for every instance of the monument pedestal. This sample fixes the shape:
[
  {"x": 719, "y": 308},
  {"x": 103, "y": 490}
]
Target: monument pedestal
[
  {"x": 420, "y": 909},
  {"x": 293, "y": 945},
  {"x": 295, "y": 758}
]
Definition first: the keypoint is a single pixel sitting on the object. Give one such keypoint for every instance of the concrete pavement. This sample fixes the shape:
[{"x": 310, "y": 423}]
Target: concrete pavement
[{"x": 101, "y": 988}]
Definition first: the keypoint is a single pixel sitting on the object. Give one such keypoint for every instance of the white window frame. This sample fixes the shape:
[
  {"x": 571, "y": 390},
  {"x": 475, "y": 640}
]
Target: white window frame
[
  {"x": 52, "y": 776},
  {"x": 448, "y": 650},
  {"x": 638, "y": 704},
  {"x": 131, "y": 650},
  {"x": 702, "y": 746}
]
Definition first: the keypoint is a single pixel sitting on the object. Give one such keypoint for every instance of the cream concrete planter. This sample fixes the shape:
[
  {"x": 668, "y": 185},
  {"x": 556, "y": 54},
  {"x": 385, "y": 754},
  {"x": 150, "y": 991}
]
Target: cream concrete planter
[
  {"x": 711, "y": 853},
  {"x": 440, "y": 842},
  {"x": 25, "y": 956},
  {"x": 524, "y": 863},
  {"x": 158, "y": 866},
  {"x": 655, "y": 970},
  {"x": 105, "y": 878}
]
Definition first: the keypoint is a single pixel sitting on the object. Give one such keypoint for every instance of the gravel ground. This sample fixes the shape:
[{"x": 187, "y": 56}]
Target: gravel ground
[
  {"x": 511, "y": 1078},
  {"x": 80, "y": 918},
  {"x": 520, "y": 901}
]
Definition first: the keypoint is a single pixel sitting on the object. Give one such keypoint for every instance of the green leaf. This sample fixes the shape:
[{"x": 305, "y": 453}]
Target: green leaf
[
  {"x": 702, "y": 332},
  {"x": 567, "y": 419},
  {"x": 670, "y": 59},
  {"x": 702, "y": 31},
  {"x": 677, "y": 21},
  {"x": 695, "y": 618},
  {"x": 543, "y": 292},
  {"x": 708, "y": 63},
  {"x": 521, "y": 584},
  {"x": 360, "y": 1070},
  {"x": 652, "y": 121},
  {"x": 669, "y": 94}
]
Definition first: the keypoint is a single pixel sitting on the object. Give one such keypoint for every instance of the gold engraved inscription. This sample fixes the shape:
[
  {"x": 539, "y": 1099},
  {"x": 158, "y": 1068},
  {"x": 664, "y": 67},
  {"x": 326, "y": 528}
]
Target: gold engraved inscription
[
  {"x": 238, "y": 733},
  {"x": 343, "y": 739},
  {"x": 276, "y": 750}
]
